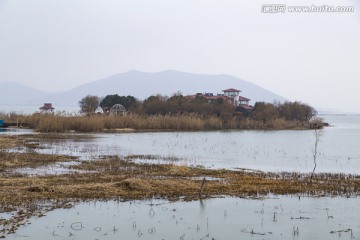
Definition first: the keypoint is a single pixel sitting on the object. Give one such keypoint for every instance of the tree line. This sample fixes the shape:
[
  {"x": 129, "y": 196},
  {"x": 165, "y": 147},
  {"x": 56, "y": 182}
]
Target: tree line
[{"x": 179, "y": 105}]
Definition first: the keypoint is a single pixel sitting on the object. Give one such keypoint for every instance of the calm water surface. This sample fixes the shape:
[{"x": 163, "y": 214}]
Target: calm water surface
[
  {"x": 223, "y": 218},
  {"x": 262, "y": 150}
]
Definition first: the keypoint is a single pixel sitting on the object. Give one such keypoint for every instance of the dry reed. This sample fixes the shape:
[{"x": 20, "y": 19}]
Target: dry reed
[{"x": 190, "y": 122}]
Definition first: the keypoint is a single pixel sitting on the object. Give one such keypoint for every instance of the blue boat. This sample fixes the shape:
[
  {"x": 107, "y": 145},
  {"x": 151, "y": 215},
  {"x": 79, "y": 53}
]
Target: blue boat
[{"x": 3, "y": 124}]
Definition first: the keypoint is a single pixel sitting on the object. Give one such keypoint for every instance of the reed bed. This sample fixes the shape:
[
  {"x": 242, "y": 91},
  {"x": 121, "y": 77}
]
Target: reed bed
[
  {"x": 96, "y": 123},
  {"x": 190, "y": 122}
]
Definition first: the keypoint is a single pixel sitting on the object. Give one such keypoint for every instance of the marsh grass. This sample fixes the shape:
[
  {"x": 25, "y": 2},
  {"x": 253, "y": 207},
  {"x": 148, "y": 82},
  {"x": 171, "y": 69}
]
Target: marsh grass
[
  {"x": 96, "y": 123},
  {"x": 114, "y": 178},
  {"x": 189, "y": 122},
  {"x": 12, "y": 160},
  {"x": 7, "y": 142}
]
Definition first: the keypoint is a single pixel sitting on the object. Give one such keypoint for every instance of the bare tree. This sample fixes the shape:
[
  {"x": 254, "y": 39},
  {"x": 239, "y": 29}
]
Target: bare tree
[
  {"x": 89, "y": 104},
  {"x": 318, "y": 132}
]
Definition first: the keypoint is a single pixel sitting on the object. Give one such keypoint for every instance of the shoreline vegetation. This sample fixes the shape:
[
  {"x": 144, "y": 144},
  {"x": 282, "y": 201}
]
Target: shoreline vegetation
[
  {"x": 62, "y": 122},
  {"x": 113, "y": 178},
  {"x": 135, "y": 122},
  {"x": 175, "y": 113}
]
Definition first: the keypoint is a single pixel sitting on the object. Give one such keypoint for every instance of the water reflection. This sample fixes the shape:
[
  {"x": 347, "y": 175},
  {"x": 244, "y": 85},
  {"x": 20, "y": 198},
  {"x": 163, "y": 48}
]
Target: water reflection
[
  {"x": 3, "y": 130},
  {"x": 15, "y": 131},
  {"x": 223, "y": 218},
  {"x": 261, "y": 150}
]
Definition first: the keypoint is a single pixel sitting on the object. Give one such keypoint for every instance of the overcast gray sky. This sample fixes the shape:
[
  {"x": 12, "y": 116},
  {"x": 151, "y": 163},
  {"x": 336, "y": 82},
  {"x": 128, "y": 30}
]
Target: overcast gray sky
[{"x": 56, "y": 45}]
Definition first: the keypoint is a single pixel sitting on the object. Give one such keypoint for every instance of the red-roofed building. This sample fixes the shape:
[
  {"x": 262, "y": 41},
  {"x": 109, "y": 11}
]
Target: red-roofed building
[
  {"x": 244, "y": 103},
  {"x": 243, "y": 100},
  {"x": 231, "y": 90},
  {"x": 230, "y": 94},
  {"x": 233, "y": 95},
  {"x": 47, "y": 108},
  {"x": 246, "y": 107}
]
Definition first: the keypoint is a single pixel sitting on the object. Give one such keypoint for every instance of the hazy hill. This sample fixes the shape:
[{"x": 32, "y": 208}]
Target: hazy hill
[
  {"x": 18, "y": 94},
  {"x": 142, "y": 85}
]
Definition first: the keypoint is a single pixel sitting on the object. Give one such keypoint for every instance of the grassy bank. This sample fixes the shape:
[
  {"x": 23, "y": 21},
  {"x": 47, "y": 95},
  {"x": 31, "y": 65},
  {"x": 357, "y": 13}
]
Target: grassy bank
[{"x": 192, "y": 122}]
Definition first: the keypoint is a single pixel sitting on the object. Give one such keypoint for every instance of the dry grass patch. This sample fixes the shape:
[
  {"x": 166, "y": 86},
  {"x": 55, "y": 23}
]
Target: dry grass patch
[
  {"x": 179, "y": 170},
  {"x": 29, "y": 160},
  {"x": 143, "y": 182},
  {"x": 7, "y": 142}
]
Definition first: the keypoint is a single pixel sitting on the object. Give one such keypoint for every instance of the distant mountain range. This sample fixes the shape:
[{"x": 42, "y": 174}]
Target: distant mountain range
[
  {"x": 138, "y": 84},
  {"x": 18, "y": 94}
]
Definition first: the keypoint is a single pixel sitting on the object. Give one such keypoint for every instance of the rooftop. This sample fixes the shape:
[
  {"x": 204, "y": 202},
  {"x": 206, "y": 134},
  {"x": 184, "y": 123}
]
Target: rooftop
[
  {"x": 231, "y": 90},
  {"x": 241, "y": 98},
  {"x": 47, "y": 106}
]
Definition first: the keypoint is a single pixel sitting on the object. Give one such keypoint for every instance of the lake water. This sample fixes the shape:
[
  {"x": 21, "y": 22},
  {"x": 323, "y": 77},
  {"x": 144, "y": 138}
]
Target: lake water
[
  {"x": 281, "y": 217},
  {"x": 288, "y": 150},
  {"x": 221, "y": 218}
]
